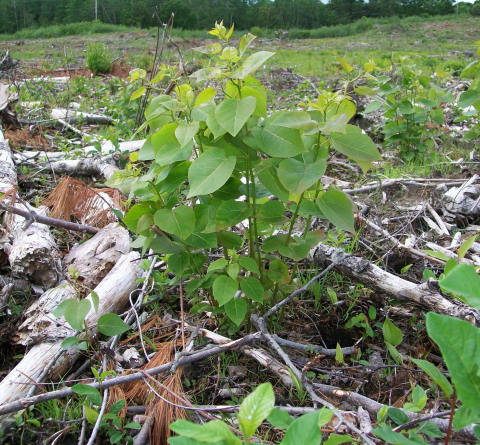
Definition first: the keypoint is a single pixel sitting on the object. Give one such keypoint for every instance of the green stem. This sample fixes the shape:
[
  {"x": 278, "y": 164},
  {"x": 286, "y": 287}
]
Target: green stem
[{"x": 294, "y": 217}]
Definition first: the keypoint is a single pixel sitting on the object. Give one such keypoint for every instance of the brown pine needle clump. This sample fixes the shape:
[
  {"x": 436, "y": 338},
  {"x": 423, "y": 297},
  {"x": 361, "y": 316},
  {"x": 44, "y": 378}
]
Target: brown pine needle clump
[
  {"x": 72, "y": 198},
  {"x": 161, "y": 412}
]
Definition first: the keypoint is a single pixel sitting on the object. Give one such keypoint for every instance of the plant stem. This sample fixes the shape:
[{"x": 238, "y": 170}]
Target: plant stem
[{"x": 452, "y": 412}]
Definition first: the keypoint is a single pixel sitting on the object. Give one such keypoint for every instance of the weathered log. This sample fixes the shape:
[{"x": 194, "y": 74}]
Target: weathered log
[
  {"x": 426, "y": 296},
  {"x": 8, "y": 173},
  {"x": 89, "y": 151},
  {"x": 92, "y": 260},
  {"x": 33, "y": 252},
  {"x": 96, "y": 166},
  {"x": 113, "y": 293}
]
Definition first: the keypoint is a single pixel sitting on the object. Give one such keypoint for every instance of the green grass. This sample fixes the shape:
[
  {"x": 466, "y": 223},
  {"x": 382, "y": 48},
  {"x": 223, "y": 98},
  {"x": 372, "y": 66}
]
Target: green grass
[{"x": 72, "y": 29}]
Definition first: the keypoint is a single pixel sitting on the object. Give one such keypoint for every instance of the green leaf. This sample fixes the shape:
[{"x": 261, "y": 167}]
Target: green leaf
[
  {"x": 300, "y": 120},
  {"x": 162, "y": 244},
  {"x": 296, "y": 251},
  {"x": 336, "y": 206},
  {"x": 212, "y": 48},
  {"x": 385, "y": 433},
  {"x": 166, "y": 146},
  {"x": 394, "y": 353},
  {"x": 64, "y": 306},
  {"x": 230, "y": 240},
  {"x": 232, "y": 114},
  {"x": 112, "y": 324},
  {"x": 224, "y": 289},
  {"x": 344, "y": 64},
  {"x": 269, "y": 178},
  {"x": 210, "y": 171},
  {"x": 297, "y": 176},
  {"x": 465, "y": 417},
  {"x": 249, "y": 264},
  {"x": 355, "y": 145},
  {"x": 255, "y": 409},
  {"x": 210, "y": 432},
  {"x": 91, "y": 415},
  {"x": 459, "y": 342},
  {"x": 464, "y": 281},
  {"x": 252, "y": 64},
  {"x": 261, "y": 96},
  {"x": 272, "y": 212},
  {"x": 138, "y": 93},
  {"x": 336, "y": 439},
  {"x": 217, "y": 264},
  {"x": 466, "y": 245},
  {"x": 204, "y": 96},
  {"x": 339, "y": 354},
  {"x": 206, "y": 73},
  {"x": 278, "y": 272},
  {"x": 179, "y": 222},
  {"x": 69, "y": 342},
  {"x": 253, "y": 289},
  {"x": 279, "y": 142},
  {"x": 324, "y": 416},
  {"x": 431, "y": 430},
  {"x": 467, "y": 98},
  {"x": 76, "y": 313},
  {"x": 179, "y": 263},
  {"x": 236, "y": 310},
  {"x": 303, "y": 431},
  {"x": 391, "y": 333},
  {"x": 214, "y": 126},
  {"x": 180, "y": 440},
  {"x": 95, "y": 299},
  {"x": 435, "y": 254},
  {"x": 280, "y": 419},
  {"x": 186, "y": 131},
  {"x": 419, "y": 397},
  {"x": 232, "y": 212},
  {"x": 85, "y": 390},
  {"x": 117, "y": 406},
  {"x": 435, "y": 374}
]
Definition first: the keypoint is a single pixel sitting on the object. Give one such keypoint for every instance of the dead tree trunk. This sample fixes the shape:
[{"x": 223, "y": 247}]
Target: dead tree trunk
[
  {"x": 427, "y": 295},
  {"x": 113, "y": 293}
]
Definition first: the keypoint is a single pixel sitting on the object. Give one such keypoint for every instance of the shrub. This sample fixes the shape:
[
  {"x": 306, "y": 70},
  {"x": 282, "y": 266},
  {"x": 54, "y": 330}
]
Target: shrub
[
  {"x": 257, "y": 31},
  {"x": 475, "y": 10},
  {"x": 99, "y": 59}
]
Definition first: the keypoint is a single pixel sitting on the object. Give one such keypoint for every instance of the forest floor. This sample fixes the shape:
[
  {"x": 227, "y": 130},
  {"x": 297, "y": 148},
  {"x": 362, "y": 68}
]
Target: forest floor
[{"x": 339, "y": 311}]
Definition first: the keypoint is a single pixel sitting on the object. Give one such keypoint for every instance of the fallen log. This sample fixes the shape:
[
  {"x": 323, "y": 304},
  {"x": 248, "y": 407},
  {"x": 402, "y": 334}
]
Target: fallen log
[
  {"x": 33, "y": 252},
  {"x": 113, "y": 293},
  {"x": 426, "y": 296},
  {"x": 92, "y": 260},
  {"x": 107, "y": 147},
  {"x": 8, "y": 172},
  {"x": 104, "y": 166}
]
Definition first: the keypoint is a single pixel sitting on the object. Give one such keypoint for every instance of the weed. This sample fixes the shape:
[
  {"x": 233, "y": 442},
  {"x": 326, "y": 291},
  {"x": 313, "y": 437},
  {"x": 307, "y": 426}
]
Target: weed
[{"x": 99, "y": 59}]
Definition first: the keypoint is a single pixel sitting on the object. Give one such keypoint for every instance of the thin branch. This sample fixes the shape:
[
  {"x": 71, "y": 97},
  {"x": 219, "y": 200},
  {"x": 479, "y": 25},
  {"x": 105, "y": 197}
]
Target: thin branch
[{"x": 49, "y": 221}]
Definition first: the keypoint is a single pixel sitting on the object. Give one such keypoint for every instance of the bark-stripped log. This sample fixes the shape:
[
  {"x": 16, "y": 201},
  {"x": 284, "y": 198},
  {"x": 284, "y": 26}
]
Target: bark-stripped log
[
  {"x": 96, "y": 166},
  {"x": 91, "y": 261},
  {"x": 8, "y": 173},
  {"x": 33, "y": 252},
  {"x": 426, "y": 296},
  {"x": 113, "y": 293},
  {"x": 89, "y": 151}
]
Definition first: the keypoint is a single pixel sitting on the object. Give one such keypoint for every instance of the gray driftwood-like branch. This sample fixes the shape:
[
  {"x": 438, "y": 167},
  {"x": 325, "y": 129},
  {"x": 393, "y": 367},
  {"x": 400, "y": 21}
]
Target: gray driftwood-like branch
[
  {"x": 52, "y": 222},
  {"x": 427, "y": 296}
]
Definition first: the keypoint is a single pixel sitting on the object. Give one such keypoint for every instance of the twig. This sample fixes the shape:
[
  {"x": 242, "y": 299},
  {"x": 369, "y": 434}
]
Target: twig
[
  {"x": 65, "y": 392},
  {"x": 303, "y": 289},
  {"x": 412, "y": 423},
  {"x": 49, "y": 221},
  {"x": 182, "y": 314},
  {"x": 312, "y": 348},
  {"x": 96, "y": 428},
  {"x": 259, "y": 323}
]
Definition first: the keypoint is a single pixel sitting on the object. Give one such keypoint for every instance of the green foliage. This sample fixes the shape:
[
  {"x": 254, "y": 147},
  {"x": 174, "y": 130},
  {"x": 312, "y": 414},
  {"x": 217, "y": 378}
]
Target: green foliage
[
  {"x": 236, "y": 150},
  {"x": 254, "y": 410},
  {"x": 99, "y": 60},
  {"x": 475, "y": 11},
  {"x": 412, "y": 110}
]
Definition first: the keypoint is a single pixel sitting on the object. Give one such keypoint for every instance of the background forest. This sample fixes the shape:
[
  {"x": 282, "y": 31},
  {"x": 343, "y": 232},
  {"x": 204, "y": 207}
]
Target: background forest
[{"x": 197, "y": 14}]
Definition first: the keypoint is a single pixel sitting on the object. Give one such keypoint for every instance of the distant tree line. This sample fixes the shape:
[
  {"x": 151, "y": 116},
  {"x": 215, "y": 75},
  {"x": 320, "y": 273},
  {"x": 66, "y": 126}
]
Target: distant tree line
[{"x": 199, "y": 14}]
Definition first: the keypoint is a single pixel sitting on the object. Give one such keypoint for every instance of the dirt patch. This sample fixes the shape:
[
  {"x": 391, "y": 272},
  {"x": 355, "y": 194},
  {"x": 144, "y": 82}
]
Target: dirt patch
[{"x": 120, "y": 69}]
